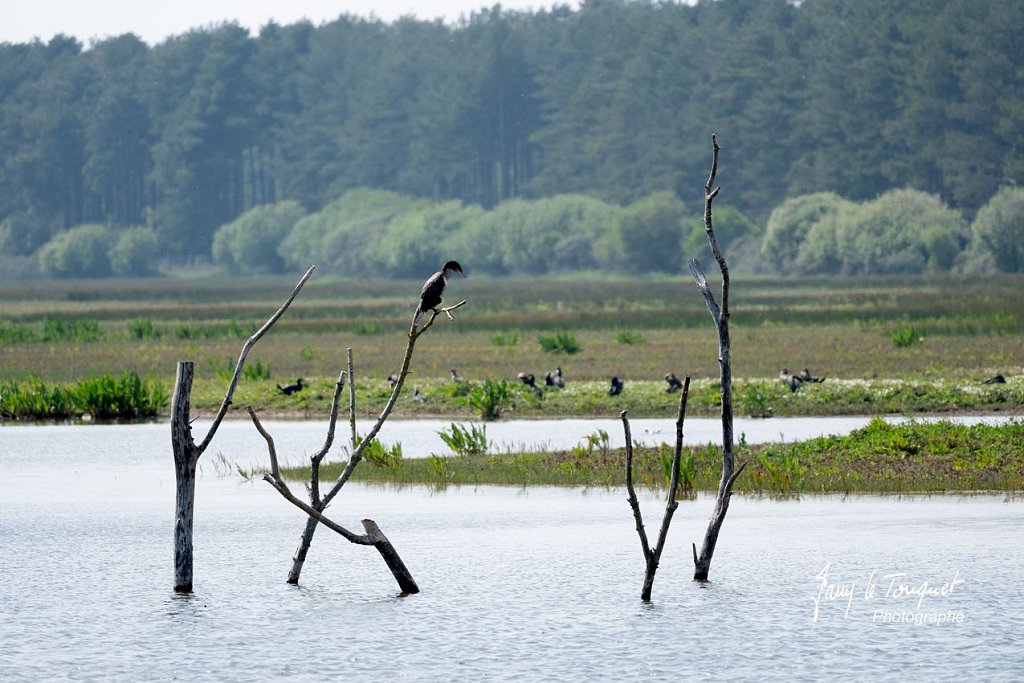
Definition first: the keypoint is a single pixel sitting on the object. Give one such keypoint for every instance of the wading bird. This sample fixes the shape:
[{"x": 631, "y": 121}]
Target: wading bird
[
  {"x": 791, "y": 381},
  {"x": 291, "y": 388},
  {"x": 555, "y": 379},
  {"x": 433, "y": 288},
  {"x": 674, "y": 384},
  {"x": 806, "y": 376}
]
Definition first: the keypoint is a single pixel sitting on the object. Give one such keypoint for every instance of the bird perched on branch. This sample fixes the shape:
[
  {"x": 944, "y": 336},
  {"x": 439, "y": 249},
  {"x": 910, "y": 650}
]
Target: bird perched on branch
[
  {"x": 616, "y": 387},
  {"x": 291, "y": 388},
  {"x": 674, "y": 384},
  {"x": 433, "y": 288}
]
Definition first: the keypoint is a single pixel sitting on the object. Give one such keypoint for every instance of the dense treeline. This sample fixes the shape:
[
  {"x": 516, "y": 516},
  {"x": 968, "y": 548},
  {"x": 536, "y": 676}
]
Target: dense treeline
[{"x": 145, "y": 152}]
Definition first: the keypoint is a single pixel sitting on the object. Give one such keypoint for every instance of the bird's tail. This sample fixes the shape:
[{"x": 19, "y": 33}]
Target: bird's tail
[{"x": 416, "y": 318}]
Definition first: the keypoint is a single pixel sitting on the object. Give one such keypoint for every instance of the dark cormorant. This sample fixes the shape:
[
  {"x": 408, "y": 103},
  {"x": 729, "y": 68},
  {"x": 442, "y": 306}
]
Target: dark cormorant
[
  {"x": 998, "y": 379},
  {"x": 791, "y": 381},
  {"x": 530, "y": 381},
  {"x": 674, "y": 384},
  {"x": 291, "y": 388},
  {"x": 616, "y": 387},
  {"x": 433, "y": 288},
  {"x": 806, "y": 376}
]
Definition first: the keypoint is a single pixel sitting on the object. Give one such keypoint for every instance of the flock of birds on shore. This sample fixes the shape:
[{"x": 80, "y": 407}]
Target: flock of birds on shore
[{"x": 556, "y": 380}]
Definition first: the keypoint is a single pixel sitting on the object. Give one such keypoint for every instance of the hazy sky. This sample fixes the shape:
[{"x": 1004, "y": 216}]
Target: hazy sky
[{"x": 23, "y": 20}]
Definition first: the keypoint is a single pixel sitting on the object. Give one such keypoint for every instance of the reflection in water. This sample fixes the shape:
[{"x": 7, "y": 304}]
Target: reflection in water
[{"x": 528, "y": 583}]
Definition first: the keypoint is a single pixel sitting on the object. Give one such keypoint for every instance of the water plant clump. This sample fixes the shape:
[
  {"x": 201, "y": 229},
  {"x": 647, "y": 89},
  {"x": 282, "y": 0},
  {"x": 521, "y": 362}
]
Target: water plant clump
[
  {"x": 103, "y": 397},
  {"x": 466, "y": 441}
]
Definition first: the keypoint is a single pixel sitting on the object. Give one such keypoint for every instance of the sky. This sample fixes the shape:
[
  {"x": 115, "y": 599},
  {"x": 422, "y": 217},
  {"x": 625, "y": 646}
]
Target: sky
[{"x": 153, "y": 21}]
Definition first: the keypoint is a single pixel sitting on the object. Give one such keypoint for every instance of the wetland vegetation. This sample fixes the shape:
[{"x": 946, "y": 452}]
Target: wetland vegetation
[{"x": 61, "y": 336}]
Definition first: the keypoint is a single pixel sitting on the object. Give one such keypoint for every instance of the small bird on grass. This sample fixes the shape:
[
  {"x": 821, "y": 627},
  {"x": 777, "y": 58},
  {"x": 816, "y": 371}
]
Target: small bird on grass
[
  {"x": 456, "y": 377},
  {"x": 616, "y": 387},
  {"x": 674, "y": 384},
  {"x": 555, "y": 379},
  {"x": 291, "y": 388},
  {"x": 433, "y": 288},
  {"x": 791, "y": 381},
  {"x": 531, "y": 382},
  {"x": 417, "y": 396},
  {"x": 806, "y": 376},
  {"x": 393, "y": 379}
]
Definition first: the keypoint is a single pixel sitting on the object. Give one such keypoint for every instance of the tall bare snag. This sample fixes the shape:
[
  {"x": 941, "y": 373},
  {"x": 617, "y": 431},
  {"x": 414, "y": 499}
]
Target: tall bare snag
[{"x": 720, "y": 316}]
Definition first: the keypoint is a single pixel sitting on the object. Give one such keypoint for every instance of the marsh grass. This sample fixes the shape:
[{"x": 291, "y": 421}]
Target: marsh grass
[
  {"x": 104, "y": 397},
  {"x": 836, "y": 327},
  {"x": 913, "y": 457}
]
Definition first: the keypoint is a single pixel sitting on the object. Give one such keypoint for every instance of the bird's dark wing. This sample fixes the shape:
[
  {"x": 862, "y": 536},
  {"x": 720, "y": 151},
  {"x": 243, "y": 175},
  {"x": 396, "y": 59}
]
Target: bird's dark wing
[{"x": 430, "y": 295}]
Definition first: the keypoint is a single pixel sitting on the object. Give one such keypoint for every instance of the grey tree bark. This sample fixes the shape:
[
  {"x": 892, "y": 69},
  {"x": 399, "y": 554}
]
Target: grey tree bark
[
  {"x": 720, "y": 316},
  {"x": 187, "y": 452}
]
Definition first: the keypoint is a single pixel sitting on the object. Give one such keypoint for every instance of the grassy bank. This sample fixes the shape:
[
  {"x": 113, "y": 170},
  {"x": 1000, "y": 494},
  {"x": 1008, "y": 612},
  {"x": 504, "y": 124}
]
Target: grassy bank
[{"x": 880, "y": 458}]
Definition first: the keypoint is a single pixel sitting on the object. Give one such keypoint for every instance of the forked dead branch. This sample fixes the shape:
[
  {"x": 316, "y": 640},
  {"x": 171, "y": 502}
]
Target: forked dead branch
[
  {"x": 317, "y": 503},
  {"x": 187, "y": 452},
  {"x": 652, "y": 556}
]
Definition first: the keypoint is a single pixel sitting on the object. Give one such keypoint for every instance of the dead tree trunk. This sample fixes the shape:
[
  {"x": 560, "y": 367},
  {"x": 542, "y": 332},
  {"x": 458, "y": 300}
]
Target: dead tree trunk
[
  {"x": 187, "y": 452},
  {"x": 720, "y": 316},
  {"x": 317, "y": 504},
  {"x": 652, "y": 556}
]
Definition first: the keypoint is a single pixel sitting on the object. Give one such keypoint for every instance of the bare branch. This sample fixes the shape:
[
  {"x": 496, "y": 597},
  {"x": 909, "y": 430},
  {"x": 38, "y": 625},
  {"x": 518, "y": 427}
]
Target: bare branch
[
  {"x": 249, "y": 343},
  {"x": 317, "y": 458},
  {"x": 351, "y": 398},
  {"x": 633, "y": 502}
]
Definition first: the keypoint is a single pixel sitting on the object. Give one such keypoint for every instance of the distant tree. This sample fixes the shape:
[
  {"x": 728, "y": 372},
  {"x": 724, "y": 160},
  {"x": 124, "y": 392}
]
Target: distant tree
[
  {"x": 419, "y": 241},
  {"x": 135, "y": 253},
  {"x": 79, "y": 252},
  {"x": 902, "y": 231},
  {"x": 999, "y": 229},
  {"x": 790, "y": 223},
  {"x": 650, "y": 232},
  {"x": 249, "y": 244}
]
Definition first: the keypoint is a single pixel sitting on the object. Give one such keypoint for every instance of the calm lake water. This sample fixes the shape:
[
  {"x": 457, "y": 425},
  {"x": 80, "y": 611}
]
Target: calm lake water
[{"x": 517, "y": 584}]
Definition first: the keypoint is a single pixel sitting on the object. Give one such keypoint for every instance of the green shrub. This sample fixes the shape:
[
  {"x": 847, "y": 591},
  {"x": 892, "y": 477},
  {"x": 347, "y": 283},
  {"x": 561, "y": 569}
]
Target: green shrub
[
  {"x": 140, "y": 328},
  {"x": 490, "y": 399},
  {"x": 379, "y": 455},
  {"x": 134, "y": 253},
  {"x": 76, "y": 330},
  {"x": 466, "y": 442},
  {"x": 505, "y": 338},
  {"x": 904, "y": 336},
  {"x": 627, "y": 337},
  {"x": 559, "y": 342},
  {"x": 78, "y": 252},
  {"x": 253, "y": 370}
]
